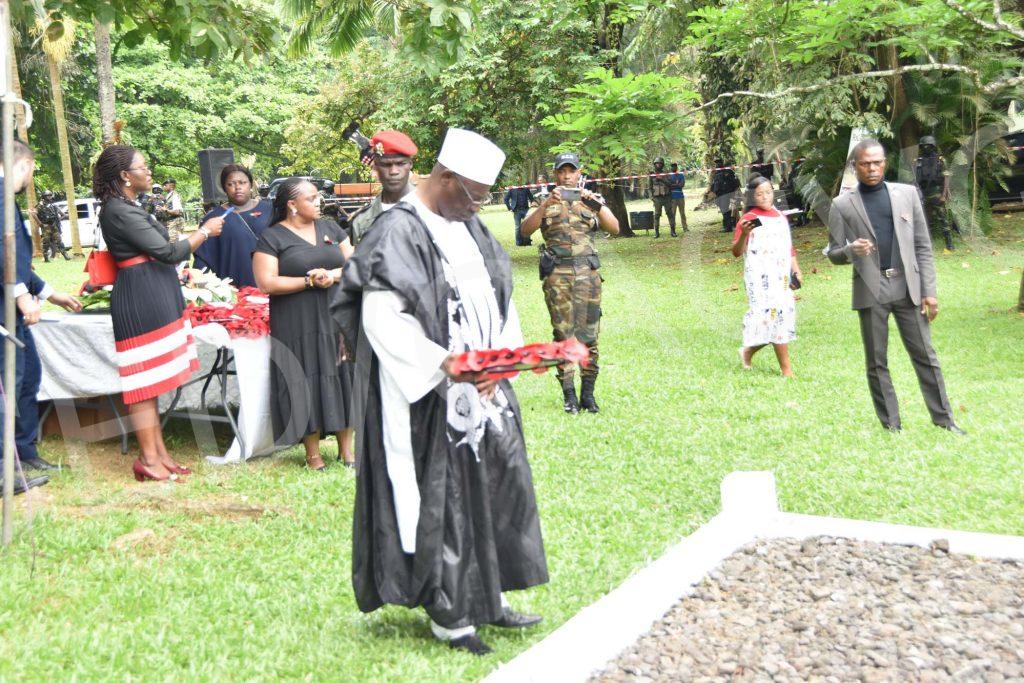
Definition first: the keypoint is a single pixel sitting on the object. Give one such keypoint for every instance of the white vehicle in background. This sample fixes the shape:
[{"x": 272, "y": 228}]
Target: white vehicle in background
[{"x": 89, "y": 232}]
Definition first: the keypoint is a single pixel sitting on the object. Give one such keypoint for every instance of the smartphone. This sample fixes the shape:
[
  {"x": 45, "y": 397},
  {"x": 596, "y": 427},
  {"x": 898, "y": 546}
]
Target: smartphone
[
  {"x": 569, "y": 194},
  {"x": 754, "y": 223}
]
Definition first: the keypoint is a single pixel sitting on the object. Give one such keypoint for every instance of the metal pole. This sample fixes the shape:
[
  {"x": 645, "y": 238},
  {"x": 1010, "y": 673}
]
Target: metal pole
[{"x": 10, "y": 270}]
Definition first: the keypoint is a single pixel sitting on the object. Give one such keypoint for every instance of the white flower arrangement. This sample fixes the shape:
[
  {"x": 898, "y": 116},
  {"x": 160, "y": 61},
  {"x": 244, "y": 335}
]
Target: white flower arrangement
[{"x": 204, "y": 287}]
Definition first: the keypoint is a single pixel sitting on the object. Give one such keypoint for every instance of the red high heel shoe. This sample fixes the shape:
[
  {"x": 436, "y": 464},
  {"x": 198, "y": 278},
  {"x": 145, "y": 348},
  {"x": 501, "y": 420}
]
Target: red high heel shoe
[{"x": 143, "y": 473}]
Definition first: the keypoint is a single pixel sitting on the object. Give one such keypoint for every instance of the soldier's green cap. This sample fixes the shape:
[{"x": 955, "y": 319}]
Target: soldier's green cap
[{"x": 570, "y": 158}]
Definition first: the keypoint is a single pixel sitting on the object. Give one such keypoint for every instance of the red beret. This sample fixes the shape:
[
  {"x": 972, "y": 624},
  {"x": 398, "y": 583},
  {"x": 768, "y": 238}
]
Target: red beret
[{"x": 393, "y": 142}]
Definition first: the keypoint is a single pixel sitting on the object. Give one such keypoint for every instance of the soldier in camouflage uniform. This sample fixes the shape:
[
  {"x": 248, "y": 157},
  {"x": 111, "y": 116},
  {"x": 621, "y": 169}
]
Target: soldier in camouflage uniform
[
  {"x": 661, "y": 196},
  {"x": 933, "y": 184},
  {"x": 49, "y": 217},
  {"x": 569, "y": 270},
  {"x": 390, "y": 154},
  {"x": 172, "y": 213}
]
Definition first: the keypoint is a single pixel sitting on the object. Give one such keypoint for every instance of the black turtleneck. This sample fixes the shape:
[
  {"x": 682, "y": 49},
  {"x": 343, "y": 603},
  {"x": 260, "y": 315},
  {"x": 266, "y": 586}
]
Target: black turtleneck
[{"x": 879, "y": 209}]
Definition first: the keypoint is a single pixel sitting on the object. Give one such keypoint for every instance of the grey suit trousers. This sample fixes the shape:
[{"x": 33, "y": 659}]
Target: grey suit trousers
[{"x": 915, "y": 331}]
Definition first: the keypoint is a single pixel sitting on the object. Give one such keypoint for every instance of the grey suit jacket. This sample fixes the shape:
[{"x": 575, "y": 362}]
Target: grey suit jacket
[{"x": 848, "y": 221}]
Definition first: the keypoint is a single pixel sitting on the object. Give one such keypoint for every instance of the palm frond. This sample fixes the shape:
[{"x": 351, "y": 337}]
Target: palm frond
[{"x": 340, "y": 24}]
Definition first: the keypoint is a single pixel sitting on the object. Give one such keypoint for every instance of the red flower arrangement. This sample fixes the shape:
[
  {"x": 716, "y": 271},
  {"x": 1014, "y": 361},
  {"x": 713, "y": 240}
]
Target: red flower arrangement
[
  {"x": 537, "y": 358},
  {"x": 249, "y": 317}
]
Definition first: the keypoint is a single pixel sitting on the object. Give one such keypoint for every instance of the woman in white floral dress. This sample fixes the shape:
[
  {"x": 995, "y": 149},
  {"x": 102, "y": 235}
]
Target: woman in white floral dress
[{"x": 770, "y": 272}]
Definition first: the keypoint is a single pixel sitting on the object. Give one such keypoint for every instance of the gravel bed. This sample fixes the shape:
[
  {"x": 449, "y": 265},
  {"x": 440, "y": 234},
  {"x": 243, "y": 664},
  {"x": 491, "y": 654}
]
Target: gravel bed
[{"x": 828, "y": 609}]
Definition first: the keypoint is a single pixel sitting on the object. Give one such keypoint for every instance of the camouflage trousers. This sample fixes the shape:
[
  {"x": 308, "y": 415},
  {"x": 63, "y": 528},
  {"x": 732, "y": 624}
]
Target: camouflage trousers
[
  {"x": 938, "y": 217},
  {"x": 175, "y": 227},
  {"x": 663, "y": 204},
  {"x": 573, "y": 296}
]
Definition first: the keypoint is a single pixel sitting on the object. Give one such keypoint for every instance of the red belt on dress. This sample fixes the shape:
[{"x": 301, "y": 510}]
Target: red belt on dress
[{"x": 134, "y": 261}]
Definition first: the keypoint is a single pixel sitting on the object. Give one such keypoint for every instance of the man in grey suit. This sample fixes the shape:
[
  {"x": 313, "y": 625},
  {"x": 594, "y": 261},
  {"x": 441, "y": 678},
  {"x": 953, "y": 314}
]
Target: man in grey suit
[{"x": 880, "y": 228}]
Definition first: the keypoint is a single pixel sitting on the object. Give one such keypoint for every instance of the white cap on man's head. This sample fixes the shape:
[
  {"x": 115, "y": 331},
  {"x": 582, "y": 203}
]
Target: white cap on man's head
[{"x": 471, "y": 155}]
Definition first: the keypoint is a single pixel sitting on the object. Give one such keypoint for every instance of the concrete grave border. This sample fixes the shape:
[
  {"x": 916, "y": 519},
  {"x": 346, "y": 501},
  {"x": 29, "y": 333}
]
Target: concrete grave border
[{"x": 750, "y": 511}]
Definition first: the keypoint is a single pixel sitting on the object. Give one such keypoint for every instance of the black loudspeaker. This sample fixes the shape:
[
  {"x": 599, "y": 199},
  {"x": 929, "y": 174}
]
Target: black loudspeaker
[
  {"x": 211, "y": 162},
  {"x": 641, "y": 220}
]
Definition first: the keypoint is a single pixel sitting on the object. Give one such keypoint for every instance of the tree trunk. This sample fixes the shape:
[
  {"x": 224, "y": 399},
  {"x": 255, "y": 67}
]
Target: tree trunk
[
  {"x": 105, "y": 82},
  {"x": 30, "y": 191},
  {"x": 905, "y": 125},
  {"x": 1020, "y": 297},
  {"x": 65, "y": 153},
  {"x": 617, "y": 203},
  {"x": 718, "y": 76}
]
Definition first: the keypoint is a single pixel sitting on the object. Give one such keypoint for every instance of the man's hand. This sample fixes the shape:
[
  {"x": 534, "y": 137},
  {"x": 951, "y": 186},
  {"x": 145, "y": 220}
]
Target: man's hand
[
  {"x": 65, "y": 301},
  {"x": 29, "y": 307},
  {"x": 446, "y": 366},
  {"x": 486, "y": 385},
  {"x": 930, "y": 307},
  {"x": 862, "y": 247},
  {"x": 553, "y": 198}
]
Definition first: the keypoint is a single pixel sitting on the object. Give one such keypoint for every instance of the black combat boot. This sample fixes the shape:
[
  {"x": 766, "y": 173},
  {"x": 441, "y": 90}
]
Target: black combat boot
[
  {"x": 949, "y": 240},
  {"x": 587, "y": 395},
  {"x": 572, "y": 406}
]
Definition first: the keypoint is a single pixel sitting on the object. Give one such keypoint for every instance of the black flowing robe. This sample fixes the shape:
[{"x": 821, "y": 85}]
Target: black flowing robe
[{"x": 478, "y": 532}]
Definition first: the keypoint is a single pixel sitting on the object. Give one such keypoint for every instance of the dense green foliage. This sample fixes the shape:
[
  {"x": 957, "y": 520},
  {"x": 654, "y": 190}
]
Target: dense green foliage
[{"x": 504, "y": 67}]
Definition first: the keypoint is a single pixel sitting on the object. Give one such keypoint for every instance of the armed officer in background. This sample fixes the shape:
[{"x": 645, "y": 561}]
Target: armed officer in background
[
  {"x": 933, "y": 184},
  {"x": 661, "y": 196},
  {"x": 390, "y": 154},
  {"x": 567, "y": 219},
  {"x": 49, "y": 217}
]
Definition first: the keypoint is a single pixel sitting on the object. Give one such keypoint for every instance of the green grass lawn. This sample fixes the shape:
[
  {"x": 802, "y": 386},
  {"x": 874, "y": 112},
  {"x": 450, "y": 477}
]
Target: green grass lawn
[{"x": 243, "y": 572}]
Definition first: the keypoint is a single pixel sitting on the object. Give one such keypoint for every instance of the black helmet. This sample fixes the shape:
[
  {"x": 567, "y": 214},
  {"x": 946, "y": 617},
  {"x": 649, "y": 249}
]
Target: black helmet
[{"x": 659, "y": 160}]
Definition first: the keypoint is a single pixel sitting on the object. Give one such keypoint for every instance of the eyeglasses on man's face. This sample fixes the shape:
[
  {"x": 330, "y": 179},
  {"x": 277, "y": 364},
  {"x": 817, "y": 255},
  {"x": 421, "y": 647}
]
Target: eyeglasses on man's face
[{"x": 474, "y": 202}]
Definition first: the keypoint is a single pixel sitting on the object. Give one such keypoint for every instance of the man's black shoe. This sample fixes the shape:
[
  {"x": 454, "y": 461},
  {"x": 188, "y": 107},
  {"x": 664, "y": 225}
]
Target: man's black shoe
[
  {"x": 674, "y": 234},
  {"x": 587, "y": 401},
  {"x": 951, "y": 427},
  {"x": 571, "y": 405},
  {"x": 38, "y": 463},
  {"x": 893, "y": 428},
  {"x": 471, "y": 644},
  {"x": 20, "y": 484},
  {"x": 512, "y": 619}
]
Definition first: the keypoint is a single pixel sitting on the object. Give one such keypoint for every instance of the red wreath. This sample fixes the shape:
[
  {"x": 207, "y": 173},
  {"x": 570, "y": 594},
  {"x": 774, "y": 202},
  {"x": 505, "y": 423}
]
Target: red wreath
[
  {"x": 246, "y": 319},
  {"x": 537, "y": 358}
]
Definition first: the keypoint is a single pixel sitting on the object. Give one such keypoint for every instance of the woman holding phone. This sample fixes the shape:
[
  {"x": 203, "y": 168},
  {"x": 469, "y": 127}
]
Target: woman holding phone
[
  {"x": 248, "y": 216},
  {"x": 770, "y": 272}
]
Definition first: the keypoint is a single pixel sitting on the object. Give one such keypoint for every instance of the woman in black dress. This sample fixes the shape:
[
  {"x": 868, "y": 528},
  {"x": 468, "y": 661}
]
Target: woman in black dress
[
  {"x": 298, "y": 263},
  {"x": 155, "y": 349}
]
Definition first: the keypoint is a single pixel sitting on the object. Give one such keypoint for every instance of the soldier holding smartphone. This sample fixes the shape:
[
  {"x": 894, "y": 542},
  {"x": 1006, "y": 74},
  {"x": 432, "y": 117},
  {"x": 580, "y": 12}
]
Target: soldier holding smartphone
[{"x": 569, "y": 267}]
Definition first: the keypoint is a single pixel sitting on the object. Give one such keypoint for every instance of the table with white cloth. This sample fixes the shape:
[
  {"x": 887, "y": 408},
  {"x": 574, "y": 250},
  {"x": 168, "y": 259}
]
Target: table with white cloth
[{"x": 78, "y": 360}]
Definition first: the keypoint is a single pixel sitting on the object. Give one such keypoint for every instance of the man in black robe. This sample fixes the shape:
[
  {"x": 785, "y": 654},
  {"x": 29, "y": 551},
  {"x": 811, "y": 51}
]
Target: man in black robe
[{"x": 445, "y": 515}]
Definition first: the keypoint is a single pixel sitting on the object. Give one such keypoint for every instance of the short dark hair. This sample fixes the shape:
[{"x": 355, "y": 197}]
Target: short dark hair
[
  {"x": 863, "y": 146},
  {"x": 106, "y": 173},
  {"x": 756, "y": 180},
  {"x": 20, "y": 150},
  {"x": 234, "y": 168}
]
